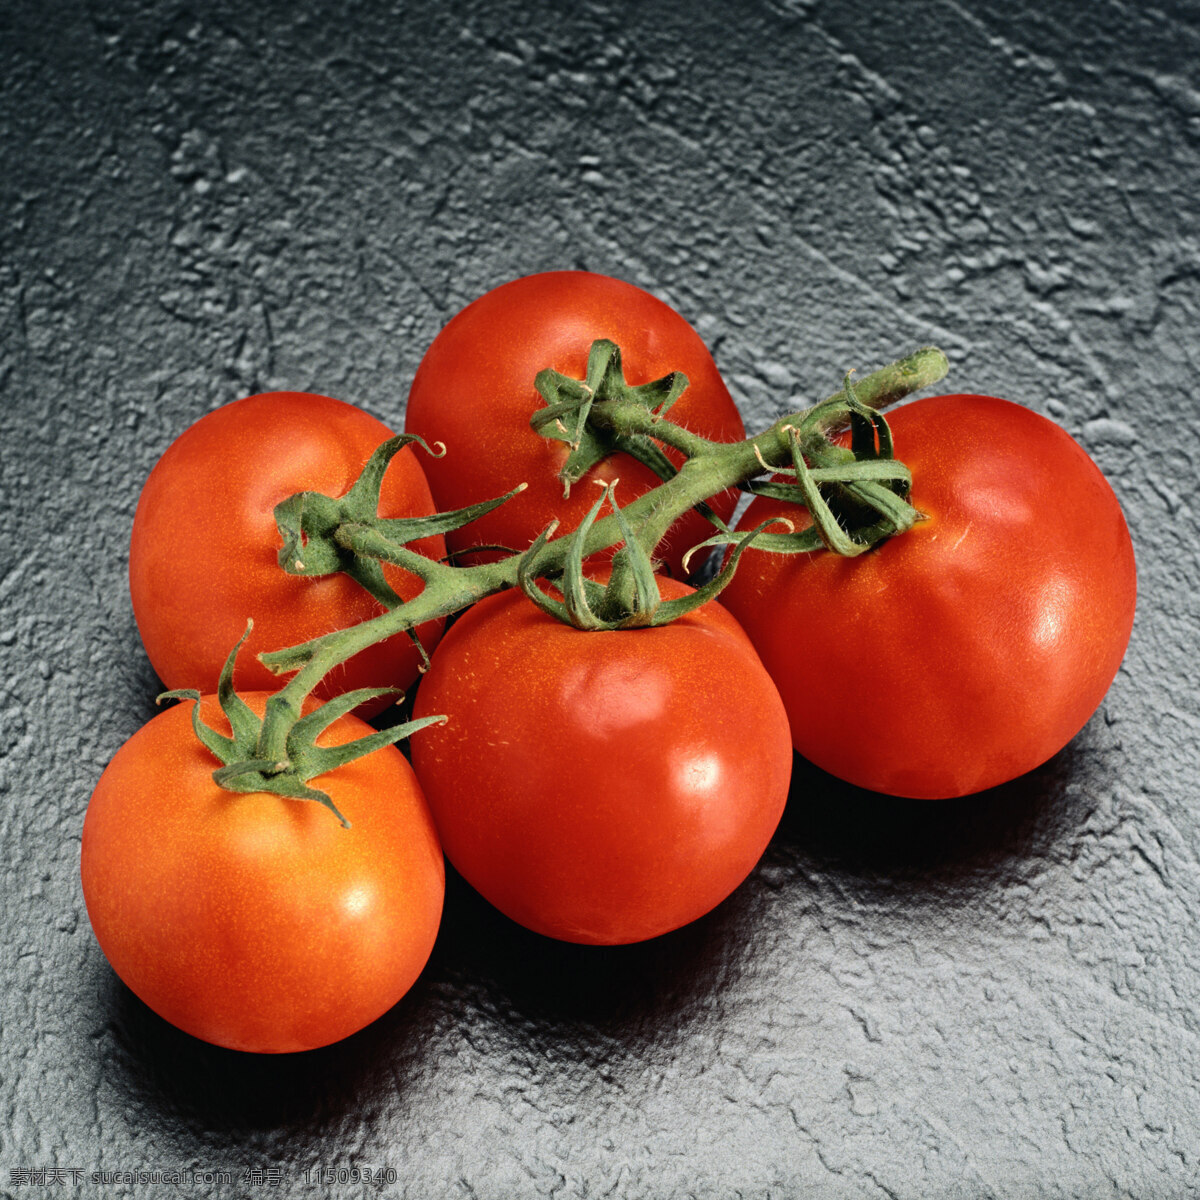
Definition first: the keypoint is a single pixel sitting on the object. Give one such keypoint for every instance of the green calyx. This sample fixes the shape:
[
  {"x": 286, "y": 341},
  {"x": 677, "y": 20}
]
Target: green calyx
[
  {"x": 247, "y": 768},
  {"x": 630, "y": 599},
  {"x": 321, "y": 533},
  {"x": 857, "y": 496},
  {"x": 574, "y": 408}
]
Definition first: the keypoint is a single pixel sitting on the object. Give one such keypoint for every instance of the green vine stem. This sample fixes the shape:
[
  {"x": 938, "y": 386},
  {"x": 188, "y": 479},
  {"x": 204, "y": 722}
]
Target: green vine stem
[{"x": 709, "y": 469}]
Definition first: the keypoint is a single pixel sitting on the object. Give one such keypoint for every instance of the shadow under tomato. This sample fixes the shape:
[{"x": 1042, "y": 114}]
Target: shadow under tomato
[
  {"x": 488, "y": 981},
  {"x": 612, "y": 988},
  {"x": 162, "y": 1069},
  {"x": 836, "y": 826},
  {"x": 504, "y": 990}
]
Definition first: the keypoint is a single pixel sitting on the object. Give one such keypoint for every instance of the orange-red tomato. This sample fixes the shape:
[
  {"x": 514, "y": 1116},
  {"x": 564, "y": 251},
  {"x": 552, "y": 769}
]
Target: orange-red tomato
[
  {"x": 972, "y": 648},
  {"x": 203, "y": 555},
  {"x": 601, "y": 787},
  {"x": 250, "y": 920},
  {"x": 474, "y": 392}
]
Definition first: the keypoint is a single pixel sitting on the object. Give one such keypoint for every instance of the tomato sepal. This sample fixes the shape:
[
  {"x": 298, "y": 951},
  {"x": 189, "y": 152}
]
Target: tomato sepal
[
  {"x": 799, "y": 541},
  {"x": 385, "y": 539},
  {"x": 856, "y": 496},
  {"x": 248, "y": 764},
  {"x": 308, "y": 521},
  {"x": 321, "y": 534},
  {"x": 604, "y": 383},
  {"x": 631, "y": 598},
  {"x": 865, "y": 496}
]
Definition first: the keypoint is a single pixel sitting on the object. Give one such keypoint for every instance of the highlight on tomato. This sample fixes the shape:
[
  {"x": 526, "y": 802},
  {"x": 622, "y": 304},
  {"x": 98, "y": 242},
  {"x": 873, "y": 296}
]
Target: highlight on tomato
[
  {"x": 971, "y": 649},
  {"x": 259, "y": 922},
  {"x": 601, "y": 786},
  {"x": 204, "y": 552},
  {"x": 475, "y": 392}
]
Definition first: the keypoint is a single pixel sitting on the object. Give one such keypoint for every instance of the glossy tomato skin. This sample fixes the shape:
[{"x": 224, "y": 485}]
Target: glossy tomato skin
[
  {"x": 203, "y": 554},
  {"x": 601, "y": 787},
  {"x": 474, "y": 392},
  {"x": 252, "y": 921},
  {"x": 974, "y": 647}
]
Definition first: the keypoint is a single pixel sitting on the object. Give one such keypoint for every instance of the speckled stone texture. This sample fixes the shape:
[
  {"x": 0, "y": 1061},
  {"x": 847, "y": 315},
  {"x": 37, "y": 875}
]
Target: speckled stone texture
[{"x": 998, "y": 997}]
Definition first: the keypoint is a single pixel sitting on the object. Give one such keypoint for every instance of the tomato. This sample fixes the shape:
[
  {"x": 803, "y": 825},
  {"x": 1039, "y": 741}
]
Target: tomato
[
  {"x": 251, "y": 920},
  {"x": 971, "y": 649},
  {"x": 474, "y": 392},
  {"x": 607, "y": 786},
  {"x": 203, "y": 555}
]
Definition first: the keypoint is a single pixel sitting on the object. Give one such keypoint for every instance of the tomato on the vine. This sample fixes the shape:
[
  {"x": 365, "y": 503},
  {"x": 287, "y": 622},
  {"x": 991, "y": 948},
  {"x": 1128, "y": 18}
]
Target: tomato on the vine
[
  {"x": 474, "y": 392},
  {"x": 203, "y": 554},
  {"x": 252, "y": 920},
  {"x": 972, "y": 648},
  {"x": 603, "y": 786}
]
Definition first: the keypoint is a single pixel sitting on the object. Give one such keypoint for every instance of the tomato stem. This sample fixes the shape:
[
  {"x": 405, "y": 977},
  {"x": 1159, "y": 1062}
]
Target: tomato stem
[
  {"x": 629, "y": 417},
  {"x": 709, "y": 469},
  {"x": 597, "y": 416}
]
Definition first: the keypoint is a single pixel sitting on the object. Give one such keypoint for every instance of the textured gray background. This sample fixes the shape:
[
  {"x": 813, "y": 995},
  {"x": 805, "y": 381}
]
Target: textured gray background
[{"x": 996, "y": 997}]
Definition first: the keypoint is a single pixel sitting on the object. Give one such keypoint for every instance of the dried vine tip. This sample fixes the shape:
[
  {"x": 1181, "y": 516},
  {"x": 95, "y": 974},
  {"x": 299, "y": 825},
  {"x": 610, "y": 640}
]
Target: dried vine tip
[{"x": 685, "y": 562}]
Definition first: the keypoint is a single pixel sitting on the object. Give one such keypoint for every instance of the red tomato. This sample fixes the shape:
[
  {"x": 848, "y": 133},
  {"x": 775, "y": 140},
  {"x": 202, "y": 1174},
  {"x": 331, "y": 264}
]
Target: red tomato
[
  {"x": 203, "y": 557},
  {"x": 601, "y": 787},
  {"x": 251, "y": 920},
  {"x": 971, "y": 649},
  {"x": 474, "y": 391}
]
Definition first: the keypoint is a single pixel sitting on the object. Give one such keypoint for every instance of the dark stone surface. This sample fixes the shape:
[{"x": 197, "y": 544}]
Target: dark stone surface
[{"x": 995, "y": 997}]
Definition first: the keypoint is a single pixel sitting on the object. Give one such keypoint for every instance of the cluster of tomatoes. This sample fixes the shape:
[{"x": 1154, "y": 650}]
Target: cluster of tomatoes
[{"x": 597, "y": 786}]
